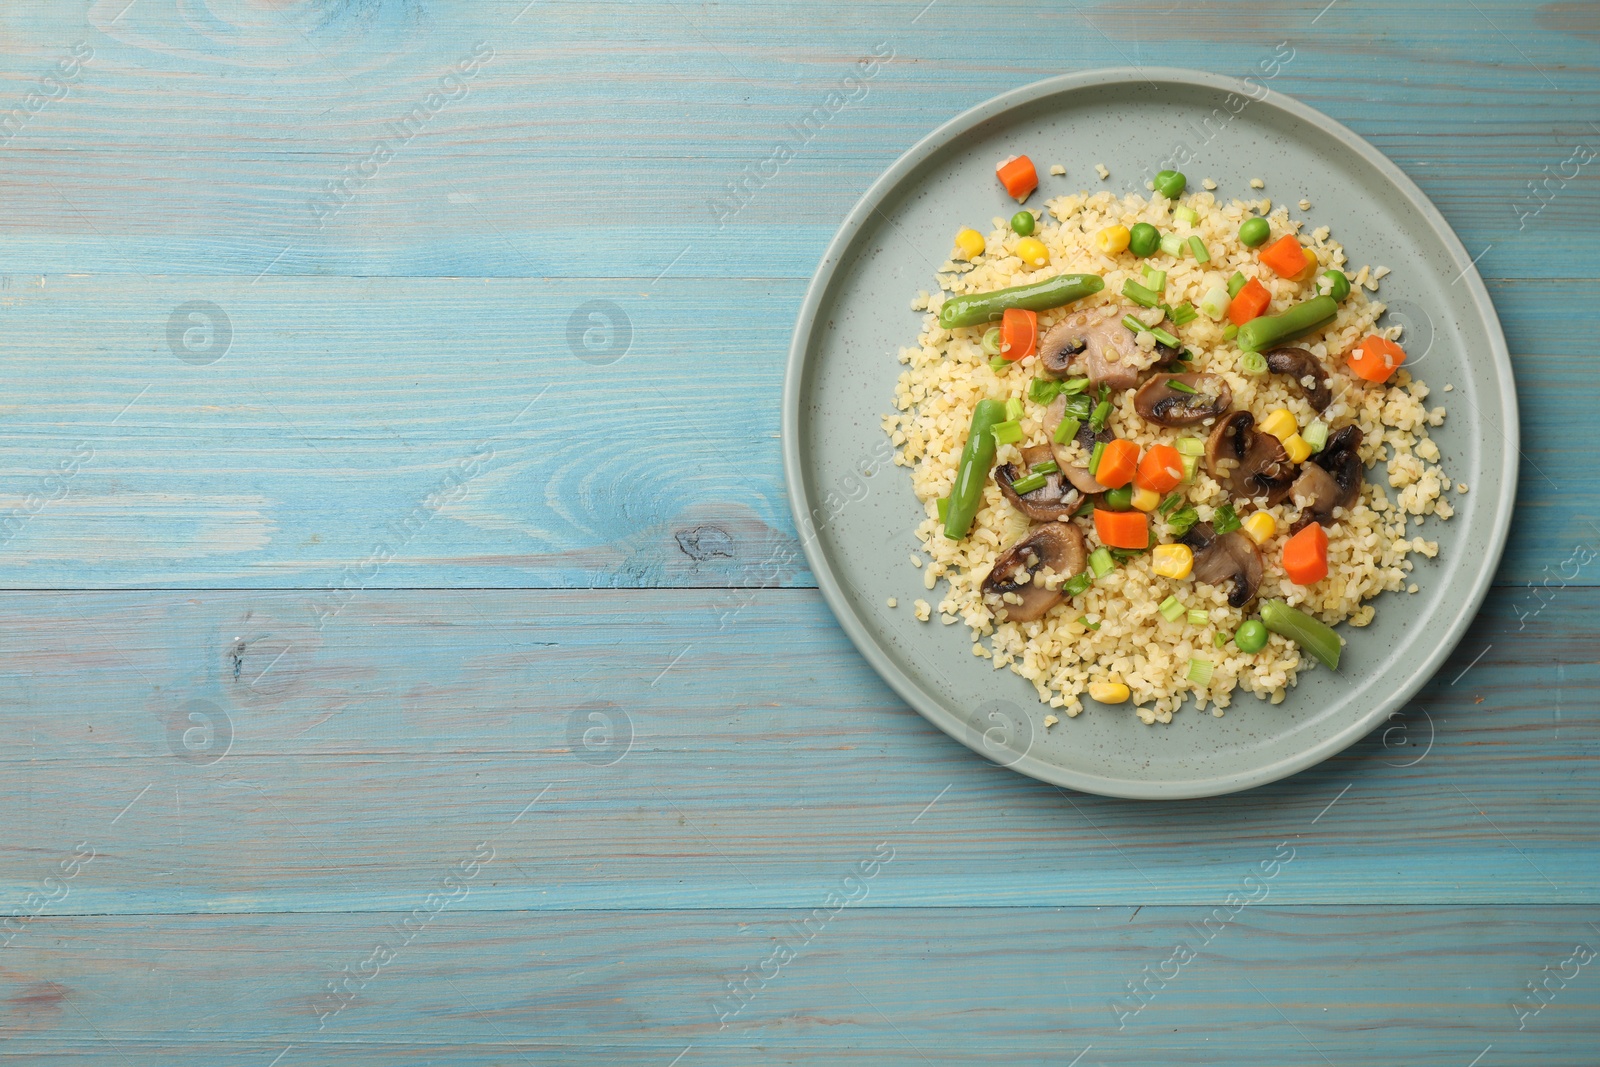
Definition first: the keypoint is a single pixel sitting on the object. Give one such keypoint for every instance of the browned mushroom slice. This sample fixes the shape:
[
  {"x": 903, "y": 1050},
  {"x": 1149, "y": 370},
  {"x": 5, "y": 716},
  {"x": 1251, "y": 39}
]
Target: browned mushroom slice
[
  {"x": 1025, "y": 581},
  {"x": 1201, "y": 396},
  {"x": 1306, "y": 370},
  {"x": 1094, "y": 342},
  {"x": 1077, "y": 473},
  {"x": 1054, "y": 500},
  {"x": 1249, "y": 463},
  {"x": 1331, "y": 480},
  {"x": 1231, "y": 559}
]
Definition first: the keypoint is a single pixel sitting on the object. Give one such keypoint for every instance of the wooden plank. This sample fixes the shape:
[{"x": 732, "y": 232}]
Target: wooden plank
[
  {"x": 700, "y": 749},
  {"x": 456, "y": 436},
  {"x": 154, "y": 163},
  {"x": 1265, "y": 985}
]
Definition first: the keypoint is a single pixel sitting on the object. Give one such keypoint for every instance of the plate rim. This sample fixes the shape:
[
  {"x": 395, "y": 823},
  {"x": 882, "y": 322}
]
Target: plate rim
[{"x": 926, "y": 703}]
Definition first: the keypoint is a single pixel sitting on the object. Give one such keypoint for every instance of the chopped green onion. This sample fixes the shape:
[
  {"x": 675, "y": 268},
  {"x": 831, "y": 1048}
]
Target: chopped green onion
[
  {"x": 1316, "y": 435},
  {"x": 1084, "y": 621},
  {"x": 1215, "y": 302},
  {"x": 1184, "y": 213},
  {"x": 1197, "y": 617},
  {"x": 1078, "y": 406},
  {"x": 1200, "y": 671},
  {"x": 1078, "y": 584},
  {"x": 1225, "y": 520},
  {"x": 1219, "y": 639},
  {"x": 1183, "y": 521},
  {"x": 991, "y": 342},
  {"x": 943, "y": 504},
  {"x": 1183, "y": 314},
  {"x": 1155, "y": 279},
  {"x": 1066, "y": 430},
  {"x": 1134, "y": 324},
  {"x": 1043, "y": 390},
  {"x": 1139, "y": 294},
  {"x": 1182, "y": 387},
  {"x": 1013, "y": 410},
  {"x": 1198, "y": 247},
  {"x": 1024, "y": 486},
  {"x": 1123, "y": 555},
  {"x": 1165, "y": 338},
  {"x": 1167, "y": 506},
  {"x": 1102, "y": 412},
  {"x": 1100, "y": 562},
  {"x": 1094, "y": 457},
  {"x": 1172, "y": 245},
  {"x": 1172, "y": 609},
  {"x": 1191, "y": 467},
  {"x": 1236, "y": 283},
  {"x": 1191, "y": 446},
  {"x": 1229, "y": 332},
  {"x": 1310, "y": 634},
  {"x": 1086, "y": 508},
  {"x": 1073, "y": 386},
  {"x": 1049, "y": 466},
  {"x": 1008, "y": 432},
  {"x": 1253, "y": 363},
  {"x": 999, "y": 363}
]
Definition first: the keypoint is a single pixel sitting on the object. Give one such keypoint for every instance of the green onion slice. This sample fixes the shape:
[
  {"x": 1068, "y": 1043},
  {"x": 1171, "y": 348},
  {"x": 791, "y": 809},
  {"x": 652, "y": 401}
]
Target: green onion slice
[
  {"x": 1078, "y": 584},
  {"x": 1094, "y": 457},
  {"x": 1200, "y": 671},
  {"x": 1066, "y": 430},
  {"x": 1225, "y": 520},
  {"x": 1172, "y": 609},
  {"x": 1100, "y": 562},
  {"x": 1182, "y": 387},
  {"x": 1027, "y": 484}
]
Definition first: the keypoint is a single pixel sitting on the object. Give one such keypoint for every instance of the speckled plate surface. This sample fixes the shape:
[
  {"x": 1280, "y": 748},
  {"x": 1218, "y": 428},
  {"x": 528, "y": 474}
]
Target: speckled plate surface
[{"x": 855, "y": 511}]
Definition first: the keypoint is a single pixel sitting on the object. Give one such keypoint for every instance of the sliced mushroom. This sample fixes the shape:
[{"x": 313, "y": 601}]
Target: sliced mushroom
[
  {"x": 1075, "y": 473},
  {"x": 1054, "y": 500},
  {"x": 1204, "y": 396},
  {"x": 1231, "y": 558},
  {"x": 1250, "y": 463},
  {"x": 1021, "y": 573},
  {"x": 1306, "y": 370},
  {"x": 1331, "y": 480},
  {"x": 1094, "y": 342}
]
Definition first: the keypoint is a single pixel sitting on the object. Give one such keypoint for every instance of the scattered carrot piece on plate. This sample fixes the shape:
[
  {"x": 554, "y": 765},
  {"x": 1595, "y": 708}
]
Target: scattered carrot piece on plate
[
  {"x": 1285, "y": 257},
  {"x": 1375, "y": 358},
  {"x": 1019, "y": 333},
  {"x": 1122, "y": 529},
  {"x": 1018, "y": 176},
  {"x": 1305, "y": 555},
  {"x": 1160, "y": 471},
  {"x": 1248, "y": 303},
  {"x": 1117, "y": 463}
]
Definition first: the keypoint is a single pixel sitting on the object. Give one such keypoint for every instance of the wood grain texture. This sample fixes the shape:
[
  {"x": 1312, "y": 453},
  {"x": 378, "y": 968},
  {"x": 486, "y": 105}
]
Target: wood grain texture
[{"x": 430, "y": 580}]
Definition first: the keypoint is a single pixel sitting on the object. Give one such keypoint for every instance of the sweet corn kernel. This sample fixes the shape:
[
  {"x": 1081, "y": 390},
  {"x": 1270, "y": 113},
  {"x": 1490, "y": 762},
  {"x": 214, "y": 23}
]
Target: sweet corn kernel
[
  {"x": 1311, "y": 264},
  {"x": 1260, "y": 527},
  {"x": 970, "y": 243},
  {"x": 1172, "y": 561},
  {"x": 1032, "y": 251},
  {"x": 1108, "y": 692},
  {"x": 1112, "y": 239},
  {"x": 1298, "y": 447},
  {"x": 1146, "y": 499},
  {"x": 1280, "y": 424}
]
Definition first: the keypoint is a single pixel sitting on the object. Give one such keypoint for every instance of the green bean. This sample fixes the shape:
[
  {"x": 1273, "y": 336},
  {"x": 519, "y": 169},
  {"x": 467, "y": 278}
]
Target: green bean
[
  {"x": 1143, "y": 239},
  {"x": 975, "y": 308},
  {"x": 973, "y": 471},
  {"x": 1022, "y": 223},
  {"x": 1268, "y": 331},
  {"x": 1311, "y": 634},
  {"x": 1170, "y": 184},
  {"x": 1254, "y": 232}
]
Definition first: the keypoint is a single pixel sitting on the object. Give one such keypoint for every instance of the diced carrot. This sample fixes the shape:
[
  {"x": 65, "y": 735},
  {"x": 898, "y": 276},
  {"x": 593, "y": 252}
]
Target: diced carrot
[
  {"x": 1019, "y": 333},
  {"x": 1305, "y": 555},
  {"x": 1122, "y": 529},
  {"x": 1018, "y": 176},
  {"x": 1375, "y": 358},
  {"x": 1250, "y": 302},
  {"x": 1285, "y": 257},
  {"x": 1117, "y": 463},
  {"x": 1160, "y": 471}
]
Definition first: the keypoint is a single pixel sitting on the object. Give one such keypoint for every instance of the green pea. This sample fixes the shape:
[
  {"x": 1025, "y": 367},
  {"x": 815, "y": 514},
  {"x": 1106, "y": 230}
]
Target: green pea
[
  {"x": 1170, "y": 184},
  {"x": 1022, "y": 223},
  {"x": 1143, "y": 239},
  {"x": 1252, "y": 637},
  {"x": 1117, "y": 499},
  {"x": 1254, "y": 231},
  {"x": 1339, "y": 283}
]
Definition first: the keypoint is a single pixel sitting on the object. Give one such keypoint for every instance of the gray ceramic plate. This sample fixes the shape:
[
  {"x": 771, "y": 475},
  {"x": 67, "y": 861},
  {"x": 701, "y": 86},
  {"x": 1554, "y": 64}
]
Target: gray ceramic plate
[{"x": 855, "y": 512}]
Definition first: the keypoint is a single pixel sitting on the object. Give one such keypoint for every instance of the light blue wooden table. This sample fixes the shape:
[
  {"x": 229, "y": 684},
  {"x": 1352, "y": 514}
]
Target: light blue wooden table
[{"x": 407, "y": 659}]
